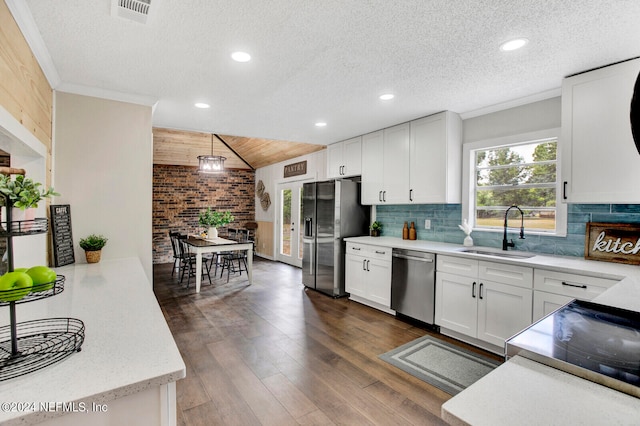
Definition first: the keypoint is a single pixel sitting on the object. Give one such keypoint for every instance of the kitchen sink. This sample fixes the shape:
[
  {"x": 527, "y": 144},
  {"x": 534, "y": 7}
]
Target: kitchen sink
[{"x": 507, "y": 254}]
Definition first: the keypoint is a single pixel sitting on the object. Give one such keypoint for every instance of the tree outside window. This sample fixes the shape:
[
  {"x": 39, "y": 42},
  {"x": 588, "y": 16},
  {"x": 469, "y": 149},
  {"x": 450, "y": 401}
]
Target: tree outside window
[{"x": 520, "y": 174}]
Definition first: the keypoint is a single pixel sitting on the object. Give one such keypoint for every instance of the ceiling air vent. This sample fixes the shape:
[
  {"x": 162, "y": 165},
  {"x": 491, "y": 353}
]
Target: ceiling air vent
[{"x": 133, "y": 10}]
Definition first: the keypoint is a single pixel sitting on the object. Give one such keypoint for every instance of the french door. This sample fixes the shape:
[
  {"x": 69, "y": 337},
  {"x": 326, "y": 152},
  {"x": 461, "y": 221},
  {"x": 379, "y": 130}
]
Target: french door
[{"x": 289, "y": 232}]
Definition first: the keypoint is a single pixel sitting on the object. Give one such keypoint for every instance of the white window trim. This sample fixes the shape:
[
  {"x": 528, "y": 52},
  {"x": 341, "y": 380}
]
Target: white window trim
[{"x": 468, "y": 184}]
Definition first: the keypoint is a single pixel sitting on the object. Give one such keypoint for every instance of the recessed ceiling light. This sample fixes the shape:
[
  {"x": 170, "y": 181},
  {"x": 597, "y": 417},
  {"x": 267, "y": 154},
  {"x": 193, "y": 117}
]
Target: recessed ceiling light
[
  {"x": 241, "y": 56},
  {"x": 321, "y": 124},
  {"x": 387, "y": 96},
  {"x": 513, "y": 44},
  {"x": 201, "y": 105}
]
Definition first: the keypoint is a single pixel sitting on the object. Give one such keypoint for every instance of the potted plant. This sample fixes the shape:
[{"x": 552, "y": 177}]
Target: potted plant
[
  {"x": 376, "y": 228},
  {"x": 23, "y": 194},
  {"x": 92, "y": 246},
  {"x": 212, "y": 219}
]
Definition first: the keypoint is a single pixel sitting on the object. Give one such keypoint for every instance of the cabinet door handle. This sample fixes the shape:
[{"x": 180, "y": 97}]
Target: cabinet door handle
[
  {"x": 473, "y": 290},
  {"x": 368, "y": 265},
  {"x": 355, "y": 248},
  {"x": 564, "y": 190},
  {"x": 574, "y": 285},
  {"x": 380, "y": 252},
  {"x": 364, "y": 264},
  {"x": 342, "y": 171},
  {"x": 380, "y": 196},
  {"x": 411, "y": 195},
  {"x": 480, "y": 293},
  {"x": 384, "y": 196}
]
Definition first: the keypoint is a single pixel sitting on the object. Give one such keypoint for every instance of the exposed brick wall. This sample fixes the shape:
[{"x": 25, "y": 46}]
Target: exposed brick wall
[{"x": 180, "y": 193}]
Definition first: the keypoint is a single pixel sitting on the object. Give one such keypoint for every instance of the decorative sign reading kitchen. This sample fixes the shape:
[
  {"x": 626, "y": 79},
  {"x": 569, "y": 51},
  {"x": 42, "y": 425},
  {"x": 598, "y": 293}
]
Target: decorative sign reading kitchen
[
  {"x": 295, "y": 169},
  {"x": 613, "y": 242},
  {"x": 61, "y": 234}
]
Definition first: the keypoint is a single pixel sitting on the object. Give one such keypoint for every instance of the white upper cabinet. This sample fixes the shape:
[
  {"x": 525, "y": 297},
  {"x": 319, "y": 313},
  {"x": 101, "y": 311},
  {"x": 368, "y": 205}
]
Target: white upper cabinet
[
  {"x": 436, "y": 159},
  {"x": 416, "y": 162},
  {"x": 600, "y": 163},
  {"x": 345, "y": 158},
  {"x": 396, "y": 164},
  {"x": 372, "y": 167},
  {"x": 385, "y": 161}
]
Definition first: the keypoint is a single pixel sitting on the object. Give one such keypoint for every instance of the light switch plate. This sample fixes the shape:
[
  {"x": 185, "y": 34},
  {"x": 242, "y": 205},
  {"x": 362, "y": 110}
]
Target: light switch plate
[{"x": 427, "y": 224}]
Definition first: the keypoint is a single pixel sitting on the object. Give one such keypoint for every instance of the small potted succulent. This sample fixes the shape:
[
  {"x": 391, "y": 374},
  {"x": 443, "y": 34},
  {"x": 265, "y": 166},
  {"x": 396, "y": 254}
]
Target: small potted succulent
[
  {"x": 212, "y": 219},
  {"x": 92, "y": 246},
  {"x": 376, "y": 228}
]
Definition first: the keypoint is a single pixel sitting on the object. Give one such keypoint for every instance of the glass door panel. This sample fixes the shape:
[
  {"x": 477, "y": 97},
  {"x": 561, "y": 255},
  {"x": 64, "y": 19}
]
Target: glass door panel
[{"x": 289, "y": 231}]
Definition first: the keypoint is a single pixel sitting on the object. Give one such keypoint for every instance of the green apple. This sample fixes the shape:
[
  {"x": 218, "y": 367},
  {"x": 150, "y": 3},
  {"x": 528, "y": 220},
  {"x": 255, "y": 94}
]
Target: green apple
[
  {"x": 14, "y": 286},
  {"x": 42, "y": 275}
]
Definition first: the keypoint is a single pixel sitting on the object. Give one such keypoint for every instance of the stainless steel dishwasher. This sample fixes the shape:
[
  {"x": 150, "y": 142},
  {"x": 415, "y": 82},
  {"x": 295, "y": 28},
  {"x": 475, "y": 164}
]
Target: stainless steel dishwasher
[{"x": 413, "y": 288}]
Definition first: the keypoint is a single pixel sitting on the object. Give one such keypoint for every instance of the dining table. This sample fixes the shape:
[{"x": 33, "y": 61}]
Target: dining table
[{"x": 200, "y": 245}]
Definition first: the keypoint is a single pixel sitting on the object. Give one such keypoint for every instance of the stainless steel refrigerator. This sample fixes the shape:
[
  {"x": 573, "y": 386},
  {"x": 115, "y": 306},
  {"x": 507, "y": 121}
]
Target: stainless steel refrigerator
[{"x": 331, "y": 211}]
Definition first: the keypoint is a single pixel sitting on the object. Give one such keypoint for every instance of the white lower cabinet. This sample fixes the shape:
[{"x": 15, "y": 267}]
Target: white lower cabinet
[
  {"x": 487, "y": 301},
  {"x": 553, "y": 289},
  {"x": 544, "y": 303},
  {"x": 503, "y": 310},
  {"x": 368, "y": 275}
]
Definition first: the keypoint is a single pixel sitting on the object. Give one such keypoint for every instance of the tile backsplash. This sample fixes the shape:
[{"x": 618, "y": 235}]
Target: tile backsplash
[{"x": 445, "y": 219}]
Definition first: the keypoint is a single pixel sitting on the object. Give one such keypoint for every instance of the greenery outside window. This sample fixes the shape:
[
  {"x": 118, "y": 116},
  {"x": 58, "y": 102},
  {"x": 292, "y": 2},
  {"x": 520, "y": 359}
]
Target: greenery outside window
[{"x": 518, "y": 170}]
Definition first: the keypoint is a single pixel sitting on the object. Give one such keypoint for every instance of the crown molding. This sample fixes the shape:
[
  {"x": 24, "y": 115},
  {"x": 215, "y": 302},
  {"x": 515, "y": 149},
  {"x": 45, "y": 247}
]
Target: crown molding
[
  {"x": 96, "y": 92},
  {"x": 27, "y": 25},
  {"x": 553, "y": 93}
]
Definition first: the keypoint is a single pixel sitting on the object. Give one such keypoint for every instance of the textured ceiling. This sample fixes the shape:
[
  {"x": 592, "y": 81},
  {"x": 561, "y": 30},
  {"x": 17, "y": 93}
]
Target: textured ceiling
[{"x": 329, "y": 60}]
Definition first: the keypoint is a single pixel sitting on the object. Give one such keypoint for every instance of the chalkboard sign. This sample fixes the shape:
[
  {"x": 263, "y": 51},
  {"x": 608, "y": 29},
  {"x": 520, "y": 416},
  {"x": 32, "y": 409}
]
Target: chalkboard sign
[{"x": 61, "y": 232}]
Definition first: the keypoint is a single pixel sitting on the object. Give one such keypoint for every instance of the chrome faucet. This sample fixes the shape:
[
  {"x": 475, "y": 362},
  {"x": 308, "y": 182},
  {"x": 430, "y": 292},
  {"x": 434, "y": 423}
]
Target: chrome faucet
[{"x": 506, "y": 244}]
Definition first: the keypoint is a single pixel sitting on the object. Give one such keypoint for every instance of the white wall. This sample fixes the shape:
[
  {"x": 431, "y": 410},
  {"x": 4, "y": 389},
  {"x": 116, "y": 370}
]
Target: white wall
[
  {"x": 103, "y": 168},
  {"x": 272, "y": 175},
  {"x": 28, "y": 153},
  {"x": 541, "y": 115}
]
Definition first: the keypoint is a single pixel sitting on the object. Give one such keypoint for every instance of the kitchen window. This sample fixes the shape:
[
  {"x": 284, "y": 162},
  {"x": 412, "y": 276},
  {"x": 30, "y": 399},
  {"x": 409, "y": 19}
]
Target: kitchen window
[{"x": 518, "y": 170}]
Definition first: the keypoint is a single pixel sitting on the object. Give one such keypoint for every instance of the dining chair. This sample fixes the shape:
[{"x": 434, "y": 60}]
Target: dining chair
[
  {"x": 188, "y": 260},
  {"x": 229, "y": 261},
  {"x": 177, "y": 263}
]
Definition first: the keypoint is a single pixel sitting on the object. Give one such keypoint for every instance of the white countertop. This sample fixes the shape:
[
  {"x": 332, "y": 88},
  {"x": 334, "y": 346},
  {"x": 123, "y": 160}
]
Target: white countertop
[
  {"x": 569, "y": 264},
  {"x": 128, "y": 346},
  {"x": 525, "y": 392}
]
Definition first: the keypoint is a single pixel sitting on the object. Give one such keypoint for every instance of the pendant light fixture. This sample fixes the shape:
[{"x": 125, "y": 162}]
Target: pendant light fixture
[{"x": 211, "y": 163}]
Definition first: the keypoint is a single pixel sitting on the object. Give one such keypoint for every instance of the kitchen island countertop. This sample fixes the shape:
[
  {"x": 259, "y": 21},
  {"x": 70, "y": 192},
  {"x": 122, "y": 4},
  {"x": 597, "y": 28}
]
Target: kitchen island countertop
[
  {"x": 524, "y": 392},
  {"x": 128, "y": 347}
]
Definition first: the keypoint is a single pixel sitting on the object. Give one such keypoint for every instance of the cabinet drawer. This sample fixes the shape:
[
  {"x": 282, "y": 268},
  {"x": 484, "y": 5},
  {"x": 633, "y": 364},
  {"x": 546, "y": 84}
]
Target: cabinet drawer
[
  {"x": 457, "y": 266},
  {"x": 372, "y": 252},
  {"x": 520, "y": 276},
  {"x": 581, "y": 287}
]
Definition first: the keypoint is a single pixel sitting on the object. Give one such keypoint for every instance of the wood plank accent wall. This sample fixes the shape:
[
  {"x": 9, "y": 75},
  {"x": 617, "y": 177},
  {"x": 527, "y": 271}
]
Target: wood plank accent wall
[
  {"x": 264, "y": 239},
  {"x": 24, "y": 90},
  {"x": 180, "y": 193}
]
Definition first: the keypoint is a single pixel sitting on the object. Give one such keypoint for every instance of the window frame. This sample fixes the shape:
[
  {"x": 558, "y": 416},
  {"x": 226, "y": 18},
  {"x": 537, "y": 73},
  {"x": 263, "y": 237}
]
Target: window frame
[{"x": 469, "y": 184}]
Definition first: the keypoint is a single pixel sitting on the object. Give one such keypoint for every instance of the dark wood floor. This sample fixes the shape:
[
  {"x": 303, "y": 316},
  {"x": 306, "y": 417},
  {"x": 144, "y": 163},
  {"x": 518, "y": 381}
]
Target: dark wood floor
[{"x": 275, "y": 353}]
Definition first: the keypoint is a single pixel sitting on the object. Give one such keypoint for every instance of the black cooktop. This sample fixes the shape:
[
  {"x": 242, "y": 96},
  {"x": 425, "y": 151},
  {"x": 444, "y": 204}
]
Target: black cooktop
[{"x": 594, "y": 341}]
